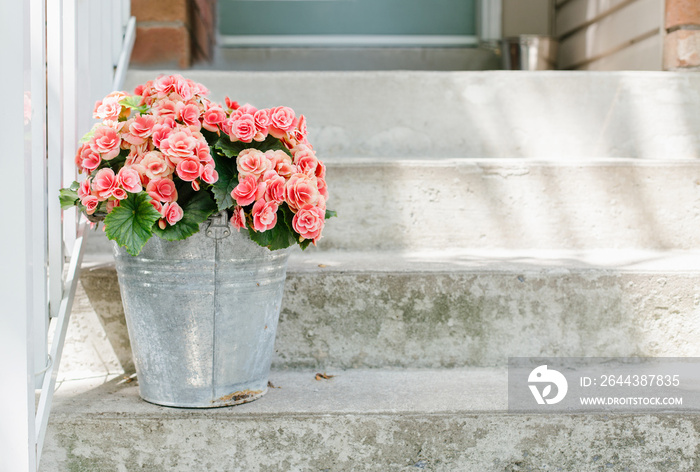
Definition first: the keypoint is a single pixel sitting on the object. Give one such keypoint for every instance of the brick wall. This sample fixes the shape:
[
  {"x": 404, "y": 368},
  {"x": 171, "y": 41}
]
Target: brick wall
[
  {"x": 173, "y": 33},
  {"x": 682, "y": 42}
]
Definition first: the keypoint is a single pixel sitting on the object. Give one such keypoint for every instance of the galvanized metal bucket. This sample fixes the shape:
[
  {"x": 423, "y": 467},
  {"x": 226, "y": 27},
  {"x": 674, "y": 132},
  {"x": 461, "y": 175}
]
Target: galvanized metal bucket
[{"x": 202, "y": 315}]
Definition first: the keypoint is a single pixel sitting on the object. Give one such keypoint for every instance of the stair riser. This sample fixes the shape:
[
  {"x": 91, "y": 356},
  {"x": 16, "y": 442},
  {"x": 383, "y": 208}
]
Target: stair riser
[
  {"x": 508, "y": 205},
  {"x": 349, "y": 320},
  {"x": 478, "y": 114},
  {"x": 475, "y": 204},
  {"x": 357, "y": 442}
]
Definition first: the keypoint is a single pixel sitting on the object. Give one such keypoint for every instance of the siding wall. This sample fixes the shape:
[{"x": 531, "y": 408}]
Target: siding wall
[{"x": 610, "y": 34}]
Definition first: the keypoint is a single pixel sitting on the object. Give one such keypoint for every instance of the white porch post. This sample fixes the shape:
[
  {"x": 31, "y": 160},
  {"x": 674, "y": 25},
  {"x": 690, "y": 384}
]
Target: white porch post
[{"x": 17, "y": 435}]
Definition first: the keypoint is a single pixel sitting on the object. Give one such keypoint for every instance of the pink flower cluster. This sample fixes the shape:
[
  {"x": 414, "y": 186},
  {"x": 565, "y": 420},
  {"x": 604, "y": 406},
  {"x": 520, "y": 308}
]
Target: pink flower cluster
[
  {"x": 159, "y": 145},
  {"x": 156, "y": 140},
  {"x": 266, "y": 180}
]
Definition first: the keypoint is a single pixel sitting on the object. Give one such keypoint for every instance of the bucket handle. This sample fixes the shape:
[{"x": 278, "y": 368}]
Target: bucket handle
[{"x": 218, "y": 226}]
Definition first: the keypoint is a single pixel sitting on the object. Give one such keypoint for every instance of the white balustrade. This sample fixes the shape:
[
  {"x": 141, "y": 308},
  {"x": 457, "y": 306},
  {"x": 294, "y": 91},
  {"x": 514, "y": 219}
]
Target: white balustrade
[{"x": 65, "y": 55}]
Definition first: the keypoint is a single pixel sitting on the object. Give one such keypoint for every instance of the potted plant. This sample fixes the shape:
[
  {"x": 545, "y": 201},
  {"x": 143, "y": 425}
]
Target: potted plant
[{"x": 203, "y": 202}]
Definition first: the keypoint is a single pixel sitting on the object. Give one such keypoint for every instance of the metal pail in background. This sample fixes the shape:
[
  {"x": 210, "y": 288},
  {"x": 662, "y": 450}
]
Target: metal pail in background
[
  {"x": 202, "y": 315},
  {"x": 529, "y": 52}
]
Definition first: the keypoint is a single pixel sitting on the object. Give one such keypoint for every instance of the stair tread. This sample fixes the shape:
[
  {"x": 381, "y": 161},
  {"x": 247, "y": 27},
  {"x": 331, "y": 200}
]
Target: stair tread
[
  {"x": 364, "y": 391},
  {"x": 478, "y": 260}
]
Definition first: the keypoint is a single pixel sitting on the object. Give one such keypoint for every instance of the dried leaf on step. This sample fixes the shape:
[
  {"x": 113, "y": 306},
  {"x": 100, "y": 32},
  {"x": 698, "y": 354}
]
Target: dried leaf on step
[
  {"x": 271, "y": 385},
  {"x": 324, "y": 376}
]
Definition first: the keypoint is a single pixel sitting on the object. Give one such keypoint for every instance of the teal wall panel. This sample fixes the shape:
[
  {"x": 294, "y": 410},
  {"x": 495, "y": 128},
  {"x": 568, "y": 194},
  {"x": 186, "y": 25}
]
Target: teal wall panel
[{"x": 347, "y": 17}]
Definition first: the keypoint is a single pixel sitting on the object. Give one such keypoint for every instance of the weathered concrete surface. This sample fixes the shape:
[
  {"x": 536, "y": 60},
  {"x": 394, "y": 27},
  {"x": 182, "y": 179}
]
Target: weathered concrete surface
[
  {"x": 508, "y": 204},
  {"x": 347, "y": 58},
  {"x": 442, "y": 420},
  {"x": 451, "y": 309},
  {"x": 504, "y": 114}
]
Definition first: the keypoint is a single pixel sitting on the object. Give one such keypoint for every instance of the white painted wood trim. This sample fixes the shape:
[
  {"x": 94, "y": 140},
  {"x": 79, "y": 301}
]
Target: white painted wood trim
[
  {"x": 59, "y": 338},
  {"x": 16, "y": 324},
  {"x": 123, "y": 62},
  {"x": 347, "y": 41},
  {"x": 490, "y": 19},
  {"x": 54, "y": 126}
]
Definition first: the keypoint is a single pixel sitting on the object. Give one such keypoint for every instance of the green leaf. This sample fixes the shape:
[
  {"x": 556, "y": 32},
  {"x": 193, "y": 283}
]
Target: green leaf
[
  {"x": 130, "y": 224},
  {"x": 134, "y": 102},
  {"x": 228, "y": 180},
  {"x": 230, "y": 149},
  {"x": 197, "y": 209},
  {"x": 68, "y": 197},
  {"x": 278, "y": 237},
  {"x": 331, "y": 214}
]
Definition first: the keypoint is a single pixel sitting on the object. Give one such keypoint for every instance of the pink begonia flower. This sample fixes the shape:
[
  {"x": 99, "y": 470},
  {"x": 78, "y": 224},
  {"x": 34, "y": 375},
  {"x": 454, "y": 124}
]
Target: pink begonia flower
[
  {"x": 142, "y": 126},
  {"x": 190, "y": 116},
  {"x": 172, "y": 212},
  {"x": 199, "y": 89},
  {"x": 139, "y": 89},
  {"x": 178, "y": 145},
  {"x": 189, "y": 169},
  {"x": 155, "y": 166},
  {"x": 308, "y": 222},
  {"x": 306, "y": 163},
  {"x": 104, "y": 183},
  {"x": 157, "y": 205},
  {"x": 264, "y": 215},
  {"x": 238, "y": 218},
  {"x": 282, "y": 118},
  {"x": 209, "y": 174},
  {"x": 119, "y": 193},
  {"x": 212, "y": 118},
  {"x": 165, "y": 84},
  {"x": 282, "y": 163},
  {"x": 230, "y": 104},
  {"x": 108, "y": 108},
  {"x": 165, "y": 108},
  {"x": 162, "y": 190},
  {"x": 262, "y": 120},
  {"x": 106, "y": 142},
  {"x": 184, "y": 89},
  {"x": 84, "y": 188},
  {"x": 203, "y": 153},
  {"x": 160, "y": 132},
  {"x": 248, "y": 190},
  {"x": 322, "y": 188},
  {"x": 275, "y": 187},
  {"x": 111, "y": 205},
  {"x": 301, "y": 190},
  {"x": 243, "y": 128},
  {"x": 89, "y": 159},
  {"x": 167, "y": 120},
  {"x": 130, "y": 180},
  {"x": 301, "y": 132},
  {"x": 90, "y": 203},
  {"x": 247, "y": 109},
  {"x": 252, "y": 162},
  {"x": 321, "y": 170}
]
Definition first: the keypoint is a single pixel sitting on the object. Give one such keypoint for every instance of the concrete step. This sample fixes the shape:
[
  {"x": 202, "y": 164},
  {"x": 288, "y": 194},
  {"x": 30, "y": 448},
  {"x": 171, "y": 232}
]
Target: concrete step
[
  {"x": 437, "y": 309},
  {"x": 359, "y": 420},
  {"x": 509, "y": 204},
  {"x": 351, "y": 59},
  {"x": 491, "y": 114}
]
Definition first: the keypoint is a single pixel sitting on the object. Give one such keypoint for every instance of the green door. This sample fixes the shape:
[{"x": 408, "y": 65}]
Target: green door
[{"x": 348, "y": 22}]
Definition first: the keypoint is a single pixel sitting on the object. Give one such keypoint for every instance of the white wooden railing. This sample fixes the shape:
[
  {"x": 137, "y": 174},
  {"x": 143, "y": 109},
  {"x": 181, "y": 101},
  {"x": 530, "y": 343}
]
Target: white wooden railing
[{"x": 59, "y": 57}]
